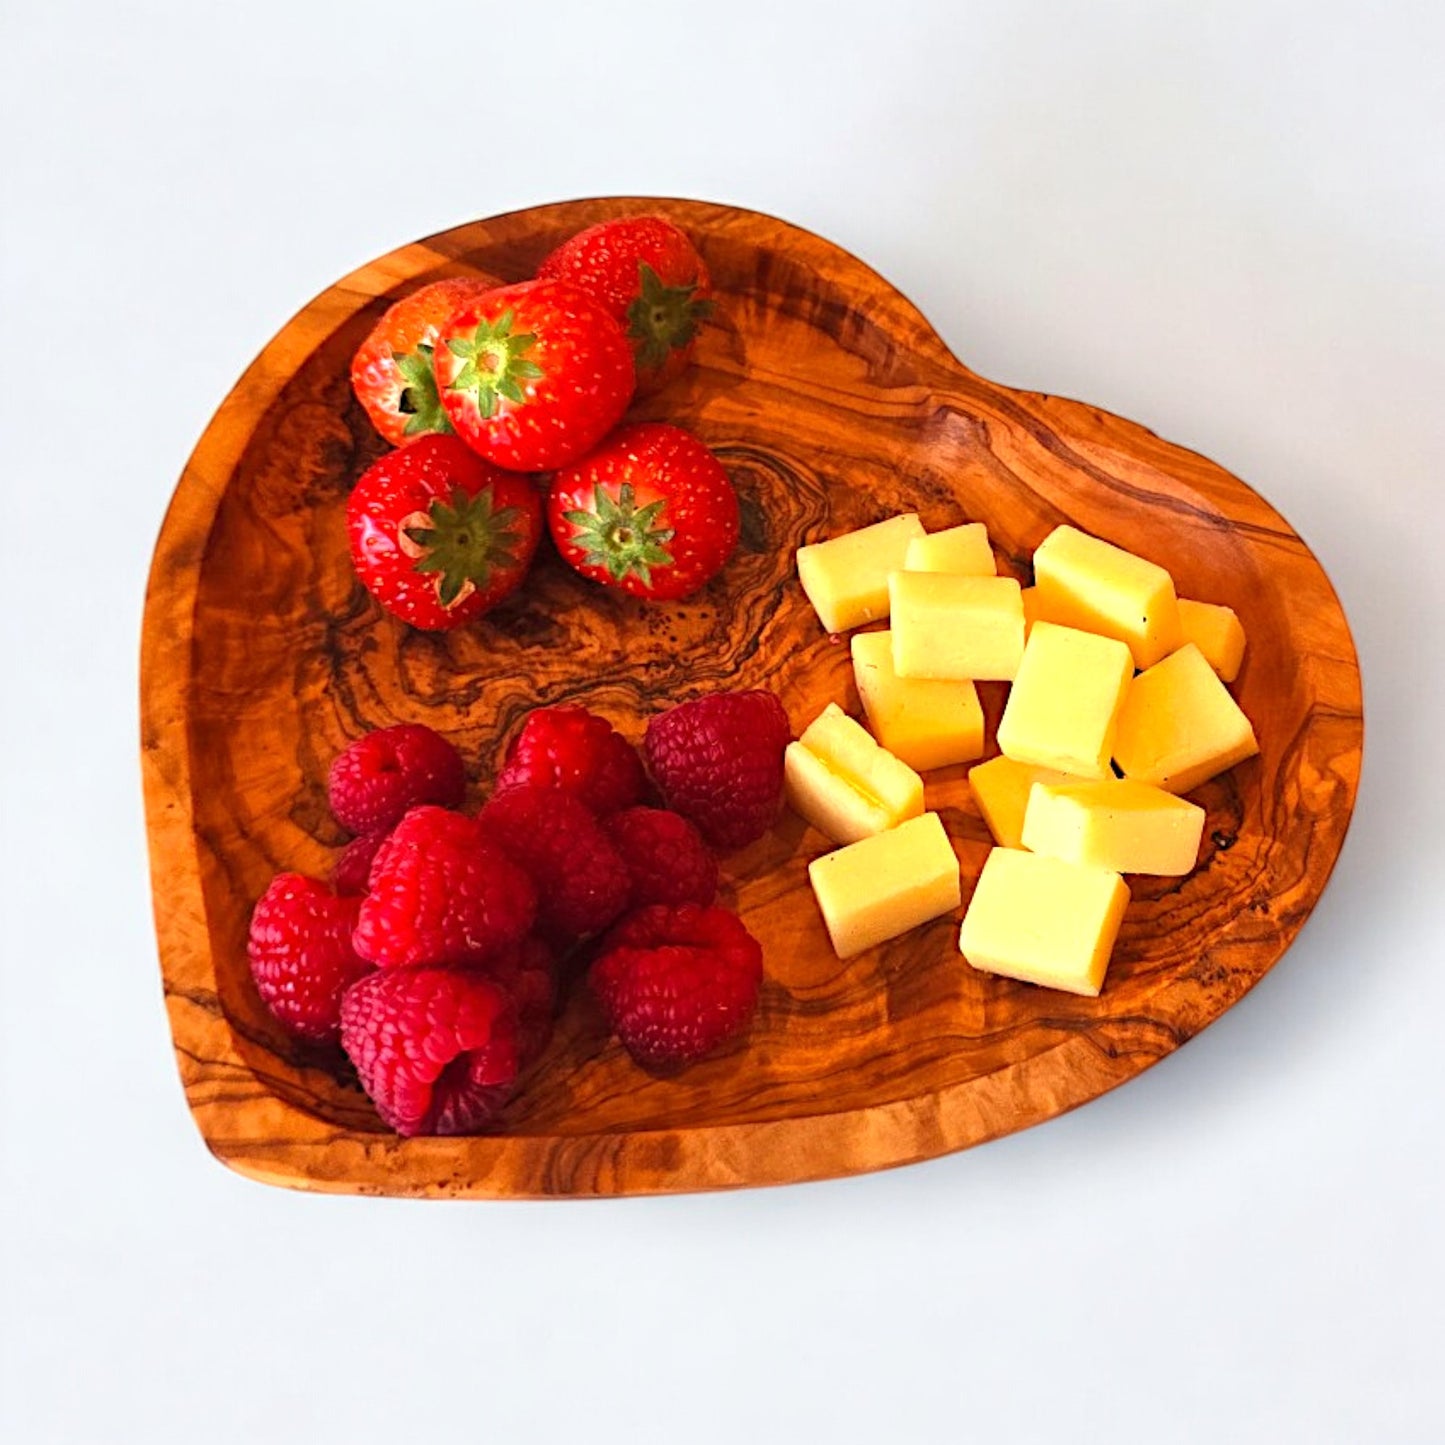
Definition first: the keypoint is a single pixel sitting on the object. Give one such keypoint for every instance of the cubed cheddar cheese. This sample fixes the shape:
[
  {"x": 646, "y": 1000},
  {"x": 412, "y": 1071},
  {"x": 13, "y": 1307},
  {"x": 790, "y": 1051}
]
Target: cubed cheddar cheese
[
  {"x": 924, "y": 722},
  {"x": 837, "y": 778},
  {"x": 956, "y": 628},
  {"x": 1179, "y": 726},
  {"x": 1043, "y": 921},
  {"x": 877, "y": 888},
  {"x": 846, "y": 577},
  {"x": 963, "y": 551},
  {"x": 1122, "y": 826},
  {"x": 1217, "y": 632},
  {"x": 1001, "y": 788},
  {"x": 1090, "y": 584},
  {"x": 1062, "y": 709}
]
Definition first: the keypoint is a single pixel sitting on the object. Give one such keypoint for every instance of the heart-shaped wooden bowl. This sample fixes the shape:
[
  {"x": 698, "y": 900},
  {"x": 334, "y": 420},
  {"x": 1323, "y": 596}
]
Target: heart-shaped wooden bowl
[{"x": 833, "y": 404}]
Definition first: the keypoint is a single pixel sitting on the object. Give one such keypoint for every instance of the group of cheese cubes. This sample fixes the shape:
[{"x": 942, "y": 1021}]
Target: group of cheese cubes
[{"x": 1107, "y": 666}]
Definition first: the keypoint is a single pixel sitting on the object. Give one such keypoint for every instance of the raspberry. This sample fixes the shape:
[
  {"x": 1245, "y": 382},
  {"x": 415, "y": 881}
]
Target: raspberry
[
  {"x": 665, "y": 856},
  {"x": 383, "y": 773},
  {"x": 581, "y": 881},
  {"x": 301, "y": 954},
  {"x": 353, "y": 867},
  {"x": 442, "y": 892},
  {"x": 719, "y": 762},
  {"x": 572, "y": 749},
  {"x": 674, "y": 983},
  {"x": 435, "y": 1048},
  {"x": 528, "y": 975}
]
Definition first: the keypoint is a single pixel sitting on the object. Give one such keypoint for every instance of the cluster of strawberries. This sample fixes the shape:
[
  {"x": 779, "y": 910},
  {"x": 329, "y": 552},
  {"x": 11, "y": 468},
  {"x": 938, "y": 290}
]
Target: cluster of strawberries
[
  {"x": 484, "y": 387},
  {"x": 433, "y": 956}
]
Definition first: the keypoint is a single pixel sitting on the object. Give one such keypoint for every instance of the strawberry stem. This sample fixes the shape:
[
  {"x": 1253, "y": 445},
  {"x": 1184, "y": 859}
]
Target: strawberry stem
[
  {"x": 662, "y": 318},
  {"x": 621, "y": 536},
  {"x": 494, "y": 363},
  {"x": 464, "y": 542}
]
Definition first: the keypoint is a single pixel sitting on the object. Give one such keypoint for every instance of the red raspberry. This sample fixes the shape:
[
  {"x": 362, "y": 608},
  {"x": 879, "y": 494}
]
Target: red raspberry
[
  {"x": 573, "y": 749},
  {"x": 528, "y": 975},
  {"x": 581, "y": 881},
  {"x": 442, "y": 892},
  {"x": 674, "y": 983},
  {"x": 383, "y": 773},
  {"x": 435, "y": 1048},
  {"x": 353, "y": 867},
  {"x": 719, "y": 762},
  {"x": 665, "y": 856},
  {"x": 301, "y": 954}
]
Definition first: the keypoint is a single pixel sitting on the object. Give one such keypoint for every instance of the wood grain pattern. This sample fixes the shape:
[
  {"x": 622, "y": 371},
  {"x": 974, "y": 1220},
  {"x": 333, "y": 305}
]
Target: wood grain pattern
[{"x": 833, "y": 404}]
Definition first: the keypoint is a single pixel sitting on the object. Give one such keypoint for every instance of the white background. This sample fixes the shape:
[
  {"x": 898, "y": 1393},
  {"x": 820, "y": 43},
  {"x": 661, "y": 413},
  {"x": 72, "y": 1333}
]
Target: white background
[{"x": 1226, "y": 220}]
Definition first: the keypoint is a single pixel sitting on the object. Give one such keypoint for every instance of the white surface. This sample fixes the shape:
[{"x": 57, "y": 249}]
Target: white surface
[{"x": 1224, "y": 220}]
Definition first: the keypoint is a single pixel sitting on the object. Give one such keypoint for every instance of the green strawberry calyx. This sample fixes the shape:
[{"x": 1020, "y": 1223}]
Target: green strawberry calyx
[
  {"x": 464, "y": 542},
  {"x": 621, "y": 536},
  {"x": 661, "y": 318},
  {"x": 420, "y": 402},
  {"x": 495, "y": 363}
]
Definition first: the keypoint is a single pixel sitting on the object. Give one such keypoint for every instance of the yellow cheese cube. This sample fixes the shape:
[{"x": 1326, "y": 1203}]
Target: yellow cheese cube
[
  {"x": 883, "y": 886},
  {"x": 1062, "y": 708},
  {"x": 1123, "y": 826},
  {"x": 1217, "y": 633},
  {"x": 1090, "y": 584},
  {"x": 846, "y": 578},
  {"x": 1001, "y": 789},
  {"x": 1044, "y": 921},
  {"x": 961, "y": 550},
  {"x": 1179, "y": 726},
  {"x": 924, "y": 722},
  {"x": 838, "y": 779},
  {"x": 956, "y": 627}
]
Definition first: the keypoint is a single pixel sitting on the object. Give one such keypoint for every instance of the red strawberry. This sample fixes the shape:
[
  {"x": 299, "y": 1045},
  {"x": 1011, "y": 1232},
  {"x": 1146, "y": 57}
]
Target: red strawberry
[
  {"x": 301, "y": 954},
  {"x": 674, "y": 983},
  {"x": 651, "y": 278},
  {"x": 533, "y": 375},
  {"x": 581, "y": 882},
  {"x": 651, "y": 512},
  {"x": 577, "y": 751},
  {"x": 388, "y": 770},
  {"x": 437, "y": 535},
  {"x": 665, "y": 856},
  {"x": 719, "y": 761},
  {"x": 435, "y": 1048},
  {"x": 351, "y": 870},
  {"x": 442, "y": 892},
  {"x": 392, "y": 373}
]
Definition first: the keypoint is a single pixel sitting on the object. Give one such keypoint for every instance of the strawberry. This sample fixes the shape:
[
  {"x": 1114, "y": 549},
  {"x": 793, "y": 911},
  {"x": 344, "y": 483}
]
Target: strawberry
[
  {"x": 375, "y": 779},
  {"x": 392, "y": 373},
  {"x": 438, "y": 535},
  {"x": 651, "y": 511},
  {"x": 534, "y": 375},
  {"x": 441, "y": 891},
  {"x": 651, "y": 278},
  {"x": 301, "y": 954},
  {"x": 719, "y": 761},
  {"x": 577, "y": 751},
  {"x": 676, "y": 982}
]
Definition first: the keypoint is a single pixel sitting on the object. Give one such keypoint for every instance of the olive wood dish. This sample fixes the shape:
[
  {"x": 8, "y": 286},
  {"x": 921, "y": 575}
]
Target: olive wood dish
[{"x": 833, "y": 404}]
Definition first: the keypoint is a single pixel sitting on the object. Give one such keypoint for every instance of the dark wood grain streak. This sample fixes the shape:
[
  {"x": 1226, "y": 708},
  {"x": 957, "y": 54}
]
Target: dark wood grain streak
[{"x": 833, "y": 404}]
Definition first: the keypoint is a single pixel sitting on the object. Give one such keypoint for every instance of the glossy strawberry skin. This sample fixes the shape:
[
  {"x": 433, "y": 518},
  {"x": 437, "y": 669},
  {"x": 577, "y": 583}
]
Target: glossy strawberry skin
[
  {"x": 534, "y": 375},
  {"x": 650, "y": 512},
  {"x": 438, "y": 536},
  {"x": 392, "y": 373},
  {"x": 651, "y": 278},
  {"x": 579, "y": 752}
]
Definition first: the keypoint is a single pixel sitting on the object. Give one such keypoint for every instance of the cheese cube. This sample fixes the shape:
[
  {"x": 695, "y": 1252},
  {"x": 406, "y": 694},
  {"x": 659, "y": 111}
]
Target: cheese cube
[
  {"x": 1044, "y": 921},
  {"x": 1062, "y": 708},
  {"x": 846, "y": 578},
  {"x": 924, "y": 722},
  {"x": 883, "y": 886},
  {"x": 1217, "y": 633},
  {"x": 1179, "y": 726},
  {"x": 960, "y": 550},
  {"x": 1001, "y": 789},
  {"x": 1090, "y": 584},
  {"x": 956, "y": 627},
  {"x": 838, "y": 779},
  {"x": 1123, "y": 826}
]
